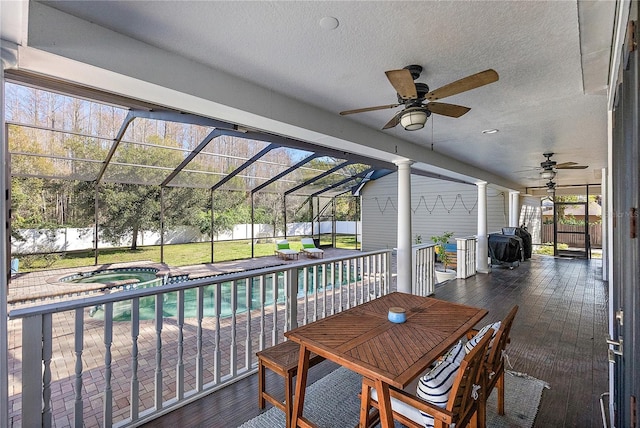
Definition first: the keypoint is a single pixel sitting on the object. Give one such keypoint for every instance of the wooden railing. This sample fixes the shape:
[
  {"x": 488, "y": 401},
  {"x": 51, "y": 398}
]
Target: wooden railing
[{"x": 144, "y": 352}]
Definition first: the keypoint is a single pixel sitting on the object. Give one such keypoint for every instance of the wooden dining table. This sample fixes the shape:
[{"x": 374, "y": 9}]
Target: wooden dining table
[{"x": 362, "y": 339}]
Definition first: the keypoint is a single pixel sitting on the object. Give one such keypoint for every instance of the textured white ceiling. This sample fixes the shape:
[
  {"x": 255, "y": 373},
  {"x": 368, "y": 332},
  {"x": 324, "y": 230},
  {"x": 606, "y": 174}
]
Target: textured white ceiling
[{"x": 552, "y": 58}]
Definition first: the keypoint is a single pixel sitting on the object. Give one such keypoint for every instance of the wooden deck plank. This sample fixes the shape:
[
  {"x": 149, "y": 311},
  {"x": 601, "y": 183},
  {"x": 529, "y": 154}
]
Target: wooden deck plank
[{"x": 557, "y": 336}]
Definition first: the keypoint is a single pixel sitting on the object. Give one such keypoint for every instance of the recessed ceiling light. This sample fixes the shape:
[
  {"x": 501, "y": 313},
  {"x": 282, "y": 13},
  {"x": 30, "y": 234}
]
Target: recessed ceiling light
[
  {"x": 329, "y": 23},
  {"x": 490, "y": 131}
]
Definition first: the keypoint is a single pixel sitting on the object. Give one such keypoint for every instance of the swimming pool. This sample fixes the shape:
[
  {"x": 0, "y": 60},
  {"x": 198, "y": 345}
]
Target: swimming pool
[
  {"x": 147, "y": 278},
  {"x": 111, "y": 276}
]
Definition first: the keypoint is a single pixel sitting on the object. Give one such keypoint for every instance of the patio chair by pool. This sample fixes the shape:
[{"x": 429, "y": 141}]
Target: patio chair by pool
[
  {"x": 284, "y": 252},
  {"x": 310, "y": 249}
]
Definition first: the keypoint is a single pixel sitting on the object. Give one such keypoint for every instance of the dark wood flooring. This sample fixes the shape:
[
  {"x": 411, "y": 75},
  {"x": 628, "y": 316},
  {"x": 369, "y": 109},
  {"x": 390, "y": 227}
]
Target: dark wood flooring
[{"x": 558, "y": 336}]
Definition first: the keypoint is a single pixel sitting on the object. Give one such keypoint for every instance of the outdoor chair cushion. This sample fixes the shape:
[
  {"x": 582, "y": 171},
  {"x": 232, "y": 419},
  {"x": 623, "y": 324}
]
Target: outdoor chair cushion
[
  {"x": 435, "y": 386},
  {"x": 456, "y": 353},
  {"x": 283, "y": 246},
  {"x": 475, "y": 339}
]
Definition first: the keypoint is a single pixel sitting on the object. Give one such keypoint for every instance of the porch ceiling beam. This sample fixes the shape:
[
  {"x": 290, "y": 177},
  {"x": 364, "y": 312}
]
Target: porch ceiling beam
[
  {"x": 285, "y": 172},
  {"x": 187, "y": 118}
]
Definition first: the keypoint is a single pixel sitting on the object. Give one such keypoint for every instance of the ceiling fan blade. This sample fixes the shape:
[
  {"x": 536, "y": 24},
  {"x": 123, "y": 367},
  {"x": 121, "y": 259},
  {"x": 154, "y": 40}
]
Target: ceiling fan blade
[
  {"x": 562, "y": 166},
  {"x": 450, "y": 110},
  {"x": 402, "y": 81},
  {"x": 464, "y": 84},
  {"x": 362, "y": 110},
  {"x": 394, "y": 121}
]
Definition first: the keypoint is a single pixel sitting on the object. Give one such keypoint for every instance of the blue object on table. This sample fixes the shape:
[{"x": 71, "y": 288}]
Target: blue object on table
[{"x": 397, "y": 315}]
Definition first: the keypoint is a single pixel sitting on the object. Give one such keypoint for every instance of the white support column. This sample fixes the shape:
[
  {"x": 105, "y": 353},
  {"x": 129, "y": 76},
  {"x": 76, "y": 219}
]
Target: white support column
[
  {"x": 514, "y": 208},
  {"x": 9, "y": 60},
  {"x": 403, "y": 256},
  {"x": 483, "y": 240}
]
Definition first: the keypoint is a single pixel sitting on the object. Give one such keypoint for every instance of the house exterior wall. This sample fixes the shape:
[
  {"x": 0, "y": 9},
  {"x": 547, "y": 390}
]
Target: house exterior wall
[{"x": 437, "y": 206}]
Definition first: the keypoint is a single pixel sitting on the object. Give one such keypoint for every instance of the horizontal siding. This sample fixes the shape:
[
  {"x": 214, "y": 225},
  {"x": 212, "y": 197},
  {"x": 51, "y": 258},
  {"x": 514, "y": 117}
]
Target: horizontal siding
[{"x": 437, "y": 206}]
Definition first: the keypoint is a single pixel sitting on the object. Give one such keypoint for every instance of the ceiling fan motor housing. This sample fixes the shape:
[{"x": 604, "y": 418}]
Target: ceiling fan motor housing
[
  {"x": 415, "y": 70},
  {"x": 422, "y": 89}
]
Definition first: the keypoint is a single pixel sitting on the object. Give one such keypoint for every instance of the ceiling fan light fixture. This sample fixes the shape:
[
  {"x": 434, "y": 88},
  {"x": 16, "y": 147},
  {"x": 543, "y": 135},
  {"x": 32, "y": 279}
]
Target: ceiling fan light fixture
[
  {"x": 548, "y": 174},
  {"x": 551, "y": 190},
  {"x": 412, "y": 120}
]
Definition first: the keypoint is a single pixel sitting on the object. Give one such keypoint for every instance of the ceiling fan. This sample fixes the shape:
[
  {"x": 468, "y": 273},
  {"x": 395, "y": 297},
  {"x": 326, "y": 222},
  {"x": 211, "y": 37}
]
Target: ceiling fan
[
  {"x": 418, "y": 101},
  {"x": 549, "y": 166}
]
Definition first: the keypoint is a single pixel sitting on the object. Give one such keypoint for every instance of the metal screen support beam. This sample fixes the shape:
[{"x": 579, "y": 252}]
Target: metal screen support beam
[
  {"x": 116, "y": 142},
  {"x": 285, "y": 172},
  {"x": 245, "y": 165},
  {"x": 284, "y": 214},
  {"x": 95, "y": 225},
  {"x": 161, "y": 224},
  {"x": 341, "y": 182},
  {"x": 333, "y": 222},
  {"x": 212, "y": 223},
  {"x": 318, "y": 177},
  {"x": 195, "y": 152},
  {"x": 252, "y": 223}
]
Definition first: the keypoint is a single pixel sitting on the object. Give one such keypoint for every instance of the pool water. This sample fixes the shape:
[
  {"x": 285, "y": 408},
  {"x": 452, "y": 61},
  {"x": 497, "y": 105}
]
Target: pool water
[
  {"x": 122, "y": 310},
  {"x": 113, "y": 276}
]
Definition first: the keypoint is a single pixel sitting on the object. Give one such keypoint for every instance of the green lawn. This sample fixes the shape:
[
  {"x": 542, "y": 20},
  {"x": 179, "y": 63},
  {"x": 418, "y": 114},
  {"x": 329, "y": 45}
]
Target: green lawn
[{"x": 174, "y": 255}]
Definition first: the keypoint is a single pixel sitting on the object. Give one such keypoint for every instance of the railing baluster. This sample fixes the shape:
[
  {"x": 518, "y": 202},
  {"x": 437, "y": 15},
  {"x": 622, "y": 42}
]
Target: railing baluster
[
  {"x": 275, "y": 334},
  {"x": 247, "y": 350},
  {"x": 233, "y": 357},
  {"x": 323, "y": 282},
  {"x": 334, "y": 287},
  {"x": 135, "y": 332},
  {"x": 217, "y": 357},
  {"x": 47, "y": 329},
  {"x": 180, "y": 362},
  {"x": 315, "y": 291},
  {"x": 305, "y": 298},
  {"x": 107, "y": 411},
  {"x": 263, "y": 334},
  {"x": 199, "y": 353},
  {"x": 158, "y": 371},
  {"x": 79, "y": 346}
]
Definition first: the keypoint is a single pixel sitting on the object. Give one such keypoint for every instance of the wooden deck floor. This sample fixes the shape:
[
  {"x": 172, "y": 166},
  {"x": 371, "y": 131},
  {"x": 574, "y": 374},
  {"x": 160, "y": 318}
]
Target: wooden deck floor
[{"x": 558, "y": 336}]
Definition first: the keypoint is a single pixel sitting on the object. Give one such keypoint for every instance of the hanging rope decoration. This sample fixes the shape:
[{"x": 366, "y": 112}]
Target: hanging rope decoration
[
  {"x": 423, "y": 200},
  {"x": 382, "y": 207},
  {"x": 448, "y": 209},
  {"x": 387, "y": 202}
]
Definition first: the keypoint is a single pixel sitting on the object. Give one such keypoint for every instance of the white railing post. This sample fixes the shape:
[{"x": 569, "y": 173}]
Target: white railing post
[
  {"x": 107, "y": 409},
  {"x": 466, "y": 257},
  {"x": 79, "y": 346},
  {"x": 423, "y": 260},
  {"x": 32, "y": 371},
  {"x": 180, "y": 362},
  {"x": 292, "y": 298},
  {"x": 135, "y": 385}
]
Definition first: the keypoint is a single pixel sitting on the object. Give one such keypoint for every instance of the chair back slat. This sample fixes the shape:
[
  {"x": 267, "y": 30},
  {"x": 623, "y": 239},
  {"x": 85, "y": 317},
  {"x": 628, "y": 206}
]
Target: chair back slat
[
  {"x": 494, "y": 356},
  {"x": 461, "y": 401}
]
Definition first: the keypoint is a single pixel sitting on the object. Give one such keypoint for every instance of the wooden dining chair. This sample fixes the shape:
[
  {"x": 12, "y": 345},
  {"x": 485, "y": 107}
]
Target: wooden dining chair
[
  {"x": 460, "y": 410},
  {"x": 493, "y": 372}
]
